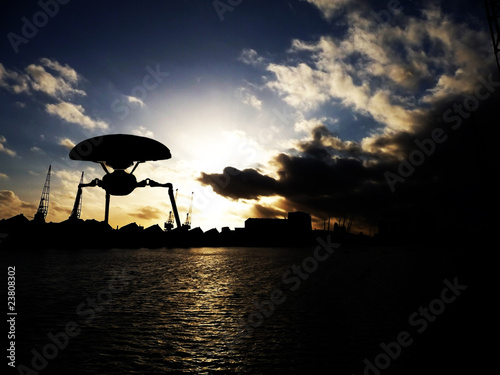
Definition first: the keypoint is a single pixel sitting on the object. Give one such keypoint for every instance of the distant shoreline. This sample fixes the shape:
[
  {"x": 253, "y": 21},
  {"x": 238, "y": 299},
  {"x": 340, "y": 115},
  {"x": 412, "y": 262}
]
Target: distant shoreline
[{"x": 19, "y": 233}]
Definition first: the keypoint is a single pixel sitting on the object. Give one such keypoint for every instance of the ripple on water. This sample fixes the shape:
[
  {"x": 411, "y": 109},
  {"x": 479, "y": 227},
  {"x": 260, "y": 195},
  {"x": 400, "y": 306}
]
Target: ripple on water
[{"x": 179, "y": 309}]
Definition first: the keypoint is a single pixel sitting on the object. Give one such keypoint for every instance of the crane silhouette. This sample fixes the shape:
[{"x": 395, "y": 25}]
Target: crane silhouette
[
  {"x": 187, "y": 223},
  {"x": 43, "y": 207}
]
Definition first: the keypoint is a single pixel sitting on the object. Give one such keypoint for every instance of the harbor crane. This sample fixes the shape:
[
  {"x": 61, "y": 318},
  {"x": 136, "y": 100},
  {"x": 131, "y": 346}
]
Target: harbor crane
[
  {"x": 187, "y": 223},
  {"x": 170, "y": 222},
  {"x": 43, "y": 207},
  {"x": 77, "y": 207}
]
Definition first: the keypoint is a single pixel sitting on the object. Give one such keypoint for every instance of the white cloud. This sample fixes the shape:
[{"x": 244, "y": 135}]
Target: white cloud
[
  {"x": 383, "y": 71},
  {"x": 329, "y": 7},
  {"x": 57, "y": 87},
  {"x": 307, "y": 125},
  {"x": 60, "y": 82},
  {"x": 4, "y": 149},
  {"x": 252, "y": 101},
  {"x": 74, "y": 114},
  {"x": 67, "y": 177},
  {"x": 251, "y": 57},
  {"x": 67, "y": 143},
  {"x": 12, "y": 81},
  {"x": 143, "y": 132},
  {"x": 65, "y": 70},
  {"x": 37, "y": 150},
  {"x": 379, "y": 70},
  {"x": 134, "y": 100},
  {"x": 249, "y": 99},
  {"x": 301, "y": 86}
]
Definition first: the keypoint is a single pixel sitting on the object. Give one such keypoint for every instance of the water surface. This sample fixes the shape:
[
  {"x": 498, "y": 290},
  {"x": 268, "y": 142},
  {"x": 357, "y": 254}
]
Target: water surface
[{"x": 210, "y": 310}]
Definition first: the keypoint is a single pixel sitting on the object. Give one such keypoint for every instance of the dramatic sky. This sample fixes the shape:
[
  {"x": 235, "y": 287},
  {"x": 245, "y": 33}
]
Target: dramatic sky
[{"x": 370, "y": 109}]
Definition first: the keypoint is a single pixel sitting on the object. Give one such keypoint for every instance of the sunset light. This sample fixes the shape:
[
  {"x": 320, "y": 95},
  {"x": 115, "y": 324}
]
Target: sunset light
[{"x": 298, "y": 187}]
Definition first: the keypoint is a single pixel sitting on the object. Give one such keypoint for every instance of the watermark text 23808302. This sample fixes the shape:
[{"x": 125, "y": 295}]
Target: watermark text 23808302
[{"x": 11, "y": 315}]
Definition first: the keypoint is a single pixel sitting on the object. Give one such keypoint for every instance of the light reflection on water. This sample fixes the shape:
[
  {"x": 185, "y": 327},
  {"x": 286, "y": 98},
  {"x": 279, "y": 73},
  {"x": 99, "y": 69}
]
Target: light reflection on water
[{"x": 176, "y": 310}]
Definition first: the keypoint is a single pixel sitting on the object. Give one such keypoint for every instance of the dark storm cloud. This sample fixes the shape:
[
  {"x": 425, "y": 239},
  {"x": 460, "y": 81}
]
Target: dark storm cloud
[
  {"x": 318, "y": 148},
  {"x": 233, "y": 183},
  {"x": 312, "y": 179},
  {"x": 326, "y": 178}
]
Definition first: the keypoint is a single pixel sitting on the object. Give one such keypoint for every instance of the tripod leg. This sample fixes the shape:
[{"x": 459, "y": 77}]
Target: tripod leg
[
  {"x": 174, "y": 205},
  {"x": 106, "y": 209}
]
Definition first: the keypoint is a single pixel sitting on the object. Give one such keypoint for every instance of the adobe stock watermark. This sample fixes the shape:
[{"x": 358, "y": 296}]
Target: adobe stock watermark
[
  {"x": 454, "y": 116},
  {"x": 39, "y": 19},
  {"x": 139, "y": 93},
  {"x": 292, "y": 278},
  {"x": 223, "y": 6},
  {"x": 420, "y": 319},
  {"x": 394, "y": 8},
  {"x": 86, "y": 312}
]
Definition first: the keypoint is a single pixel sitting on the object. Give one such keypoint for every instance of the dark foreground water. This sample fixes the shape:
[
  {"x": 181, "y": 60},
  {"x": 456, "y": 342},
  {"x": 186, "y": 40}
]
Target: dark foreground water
[{"x": 240, "y": 311}]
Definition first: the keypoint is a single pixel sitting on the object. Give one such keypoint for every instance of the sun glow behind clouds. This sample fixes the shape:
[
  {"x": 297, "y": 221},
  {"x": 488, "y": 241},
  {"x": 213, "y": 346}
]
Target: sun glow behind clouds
[
  {"x": 203, "y": 150},
  {"x": 199, "y": 128},
  {"x": 213, "y": 150},
  {"x": 205, "y": 133}
]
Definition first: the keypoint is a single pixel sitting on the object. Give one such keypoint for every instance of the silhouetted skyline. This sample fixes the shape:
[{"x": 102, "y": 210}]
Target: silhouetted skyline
[{"x": 364, "y": 109}]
